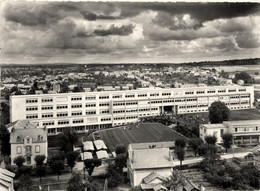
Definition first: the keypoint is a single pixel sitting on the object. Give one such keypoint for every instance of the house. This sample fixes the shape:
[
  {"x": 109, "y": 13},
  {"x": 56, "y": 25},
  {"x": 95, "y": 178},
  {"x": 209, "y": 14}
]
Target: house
[
  {"x": 148, "y": 166},
  {"x": 245, "y": 132},
  {"x": 27, "y": 140},
  {"x": 6, "y": 180}
]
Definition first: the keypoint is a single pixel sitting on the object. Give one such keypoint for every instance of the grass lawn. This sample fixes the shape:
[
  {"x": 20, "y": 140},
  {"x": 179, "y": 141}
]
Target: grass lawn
[{"x": 146, "y": 132}]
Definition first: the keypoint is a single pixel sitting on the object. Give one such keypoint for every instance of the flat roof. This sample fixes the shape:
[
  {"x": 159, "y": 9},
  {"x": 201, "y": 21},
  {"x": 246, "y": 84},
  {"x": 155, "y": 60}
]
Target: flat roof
[
  {"x": 243, "y": 122},
  {"x": 122, "y": 91},
  {"x": 212, "y": 126}
]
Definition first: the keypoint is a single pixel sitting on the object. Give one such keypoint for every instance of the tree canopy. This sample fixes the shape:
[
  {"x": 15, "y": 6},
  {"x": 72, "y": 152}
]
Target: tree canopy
[
  {"x": 180, "y": 144},
  {"x": 218, "y": 112},
  {"x": 19, "y": 160},
  {"x": 67, "y": 139},
  {"x": 90, "y": 164},
  {"x": 227, "y": 140},
  {"x": 195, "y": 144},
  {"x": 71, "y": 157},
  {"x": 211, "y": 139}
]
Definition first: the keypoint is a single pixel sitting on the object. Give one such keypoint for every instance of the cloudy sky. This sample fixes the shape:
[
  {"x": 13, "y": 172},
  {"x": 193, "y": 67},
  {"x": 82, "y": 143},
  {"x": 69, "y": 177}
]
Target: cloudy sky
[{"x": 114, "y": 32}]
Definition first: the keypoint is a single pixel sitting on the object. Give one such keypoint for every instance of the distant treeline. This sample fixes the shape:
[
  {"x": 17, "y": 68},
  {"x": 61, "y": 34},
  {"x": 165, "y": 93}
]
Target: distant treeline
[{"x": 253, "y": 61}]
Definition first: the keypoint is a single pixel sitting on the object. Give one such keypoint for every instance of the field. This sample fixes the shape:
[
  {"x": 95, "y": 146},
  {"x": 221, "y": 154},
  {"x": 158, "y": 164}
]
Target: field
[{"x": 146, "y": 132}]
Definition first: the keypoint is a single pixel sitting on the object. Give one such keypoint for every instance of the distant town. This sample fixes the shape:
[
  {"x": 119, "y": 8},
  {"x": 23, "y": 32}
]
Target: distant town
[{"x": 133, "y": 127}]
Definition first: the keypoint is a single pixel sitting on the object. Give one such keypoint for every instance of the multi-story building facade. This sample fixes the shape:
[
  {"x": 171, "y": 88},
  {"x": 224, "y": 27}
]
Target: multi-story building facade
[
  {"x": 27, "y": 140},
  {"x": 95, "y": 110},
  {"x": 245, "y": 132}
]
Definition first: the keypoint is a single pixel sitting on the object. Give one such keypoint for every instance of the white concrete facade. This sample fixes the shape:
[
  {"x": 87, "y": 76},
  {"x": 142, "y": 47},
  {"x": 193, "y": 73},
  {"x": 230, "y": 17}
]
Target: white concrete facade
[
  {"x": 245, "y": 132},
  {"x": 95, "y": 110}
]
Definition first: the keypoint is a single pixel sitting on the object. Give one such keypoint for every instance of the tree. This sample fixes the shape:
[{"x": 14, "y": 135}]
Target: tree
[
  {"x": 211, "y": 155},
  {"x": 120, "y": 161},
  {"x": 90, "y": 164},
  {"x": 57, "y": 164},
  {"x": 244, "y": 76},
  {"x": 67, "y": 139},
  {"x": 40, "y": 167},
  {"x": 5, "y": 140},
  {"x": 5, "y": 113},
  {"x": 113, "y": 176},
  {"x": 76, "y": 182},
  {"x": 175, "y": 180},
  {"x": 227, "y": 140},
  {"x": 39, "y": 159},
  {"x": 180, "y": 144},
  {"x": 24, "y": 183},
  {"x": 19, "y": 160},
  {"x": 78, "y": 89},
  {"x": 120, "y": 149},
  {"x": 218, "y": 112},
  {"x": 211, "y": 139},
  {"x": 71, "y": 157},
  {"x": 195, "y": 144},
  {"x": 40, "y": 171}
]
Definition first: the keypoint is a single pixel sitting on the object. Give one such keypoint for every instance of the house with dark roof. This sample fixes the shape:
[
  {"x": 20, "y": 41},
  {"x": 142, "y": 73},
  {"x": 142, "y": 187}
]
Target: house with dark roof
[
  {"x": 150, "y": 166},
  {"x": 27, "y": 140}
]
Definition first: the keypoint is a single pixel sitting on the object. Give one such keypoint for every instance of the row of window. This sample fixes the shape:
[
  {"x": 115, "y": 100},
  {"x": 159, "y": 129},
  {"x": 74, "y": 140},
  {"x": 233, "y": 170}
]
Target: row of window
[
  {"x": 28, "y": 149},
  {"x": 127, "y": 117}
]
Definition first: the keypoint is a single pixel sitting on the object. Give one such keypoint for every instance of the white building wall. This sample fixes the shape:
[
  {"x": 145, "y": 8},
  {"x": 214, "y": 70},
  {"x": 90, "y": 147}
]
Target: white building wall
[{"x": 150, "y": 102}]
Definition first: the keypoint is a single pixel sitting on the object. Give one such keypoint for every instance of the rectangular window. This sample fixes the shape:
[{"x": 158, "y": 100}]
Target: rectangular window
[
  {"x": 90, "y": 112},
  {"x": 221, "y": 91},
  {"x": 62, "y": 106},
  {"x": 46, "y": 115},
  {"x": 76, "y": 98},
  {"x": 32, "y": 100},
  {"x": 106, "y": 119},
  {"x": 62, "y": 114},
  {"x": 104, "y": 111},
  {"x": 19, "y": 150},
  {"x": 47, "y": 100},
  {"x": 187, "y": 93},
  {"x": 142, "y": 95},
  {"x": 91, "y": 105},
  {"x": 232, "y": 90},
  {"x": 154, "y": 94},
  {"x": 242, "y": 90},
  {"x": 76, "y": 106},
  {"x": 47, "y": 107},
  {"x": 77, "y": 121},
  {"x": 37, "y": 148},
  {"x": 61, "y": 99},
  {"x": 129, "y": 95},
  {"x": 166, "y": 94},
  {"x": 76, "y": 113},
  {"x": 118, "y": 103},
  {"x": 90, "y": 98},
  {"x": 104, "y": 97},
  {"x": 211, "y": 91},
  {"x": 117, "y": 96},
  {"x": 32, "y": 108},
  {"x": 32, "y": 116},
  {"x": 200, "y": 92},
  {"x": 103, "y": 104},
  {"x": 63, "y": 122},
  {"x": 48, "y": 123}
]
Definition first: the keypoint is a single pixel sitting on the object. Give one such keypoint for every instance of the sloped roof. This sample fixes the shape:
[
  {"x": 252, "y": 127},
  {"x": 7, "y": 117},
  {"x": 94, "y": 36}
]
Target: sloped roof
[
  {"x": 86, "y": 155},
  {"x": 100, "y": 144},
  {"x": 88, "y": 145},
  {"x": 151, "y": 177},
  {"x": 7, "y": 173},
  {"x": 102, "y": 154},
  {"x": 256, "y": 150},
  {"x": 23, "y": 128},
  {"x": 159, "y": 187},
  {"x": 151, "y": 158}
]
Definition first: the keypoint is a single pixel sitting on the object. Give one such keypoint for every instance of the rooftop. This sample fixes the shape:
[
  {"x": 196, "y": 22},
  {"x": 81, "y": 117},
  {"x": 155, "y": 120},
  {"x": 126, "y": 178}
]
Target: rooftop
[
  {"x": 243, "y": 122},
  {"x": 213, "y": 126},
  {"x": 151, "y": 158}
]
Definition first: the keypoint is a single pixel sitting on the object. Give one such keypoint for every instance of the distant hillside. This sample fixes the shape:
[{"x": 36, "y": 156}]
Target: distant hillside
[{"x": 237, "y": 62}]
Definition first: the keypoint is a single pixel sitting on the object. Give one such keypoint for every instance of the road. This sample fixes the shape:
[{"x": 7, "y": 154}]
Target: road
[{"x": 198, "y": 159}]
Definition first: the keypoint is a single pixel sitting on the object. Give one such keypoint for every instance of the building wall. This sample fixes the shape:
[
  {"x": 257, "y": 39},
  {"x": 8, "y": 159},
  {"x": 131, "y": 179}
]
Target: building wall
[
  {"x": 245, "y": 132},
  {"x": 212, "y": 131},
  {"x": 138, "y": 175},
  {"x": 105, "y": 109},
  {"x": 43, "y": 151}
]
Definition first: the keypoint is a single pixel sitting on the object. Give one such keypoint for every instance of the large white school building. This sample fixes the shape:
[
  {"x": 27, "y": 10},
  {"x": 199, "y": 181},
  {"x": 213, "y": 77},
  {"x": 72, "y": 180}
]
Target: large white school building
[{"x": 97, "y": 110}]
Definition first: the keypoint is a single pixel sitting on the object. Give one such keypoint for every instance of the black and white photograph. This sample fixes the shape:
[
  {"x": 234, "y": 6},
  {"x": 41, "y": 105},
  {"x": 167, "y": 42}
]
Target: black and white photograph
[{"x": 129, "y": 95}]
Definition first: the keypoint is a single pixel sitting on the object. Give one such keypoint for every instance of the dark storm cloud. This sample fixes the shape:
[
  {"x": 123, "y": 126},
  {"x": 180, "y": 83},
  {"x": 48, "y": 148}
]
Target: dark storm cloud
[
  {"x": 247, "y": 40},
  {"x": 124, "y": 30}
]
